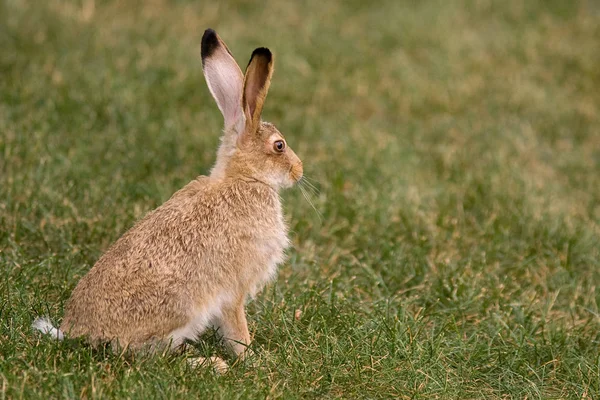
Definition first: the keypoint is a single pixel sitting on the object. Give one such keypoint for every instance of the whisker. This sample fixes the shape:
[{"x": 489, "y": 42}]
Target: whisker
[
  {"x": 308, "y": 182},
  {"x": 319, "y": 214},
  {"x": 307, "y": 197},
  {"x": 309, "y": 189},
  {"x": 307, "y": 178},
  {"x": 314, "y": 190}
]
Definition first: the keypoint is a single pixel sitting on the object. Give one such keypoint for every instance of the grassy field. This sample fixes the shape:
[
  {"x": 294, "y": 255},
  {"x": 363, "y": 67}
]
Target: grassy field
[{"x": 456, "y": 145}]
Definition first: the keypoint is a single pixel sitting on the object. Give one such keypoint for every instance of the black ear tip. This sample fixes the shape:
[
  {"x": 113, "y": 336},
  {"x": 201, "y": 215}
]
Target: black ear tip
[
  {"x": 262, "y": 52},
  {"x": 210, "y": 41}
]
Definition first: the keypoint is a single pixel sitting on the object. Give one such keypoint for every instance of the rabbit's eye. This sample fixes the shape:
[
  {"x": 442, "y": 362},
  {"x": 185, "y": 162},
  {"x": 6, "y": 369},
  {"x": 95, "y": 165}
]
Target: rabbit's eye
[{"x": 279, "y": 146}]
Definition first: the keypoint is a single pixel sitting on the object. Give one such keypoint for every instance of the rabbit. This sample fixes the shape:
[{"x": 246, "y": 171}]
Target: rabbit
[{"x": 194, "y": 261}]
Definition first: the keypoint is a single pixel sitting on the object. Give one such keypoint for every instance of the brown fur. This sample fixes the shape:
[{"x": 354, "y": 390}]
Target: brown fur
[{"x": 193, "y": 261}]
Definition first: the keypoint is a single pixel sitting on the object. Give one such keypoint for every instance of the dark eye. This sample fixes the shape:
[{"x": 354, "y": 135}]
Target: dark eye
[{"x": 279, "y": 146}]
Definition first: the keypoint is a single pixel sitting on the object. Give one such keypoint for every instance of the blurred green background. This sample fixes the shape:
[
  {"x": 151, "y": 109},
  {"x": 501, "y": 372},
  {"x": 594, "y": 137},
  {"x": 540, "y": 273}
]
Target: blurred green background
[{"x": 456, "y": 146}]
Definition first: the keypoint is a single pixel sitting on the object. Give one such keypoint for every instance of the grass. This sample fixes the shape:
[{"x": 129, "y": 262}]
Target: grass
[{"x": 457, "y": 150}]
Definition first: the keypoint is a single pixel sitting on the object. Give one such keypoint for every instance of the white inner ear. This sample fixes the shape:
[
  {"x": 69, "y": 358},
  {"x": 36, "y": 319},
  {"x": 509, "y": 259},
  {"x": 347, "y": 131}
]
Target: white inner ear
[{"x": 225, "y": 82}]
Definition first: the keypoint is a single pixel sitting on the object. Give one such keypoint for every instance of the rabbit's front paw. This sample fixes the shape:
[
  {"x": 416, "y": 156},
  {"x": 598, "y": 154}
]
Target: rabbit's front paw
[{"x": 216, "y": 363}]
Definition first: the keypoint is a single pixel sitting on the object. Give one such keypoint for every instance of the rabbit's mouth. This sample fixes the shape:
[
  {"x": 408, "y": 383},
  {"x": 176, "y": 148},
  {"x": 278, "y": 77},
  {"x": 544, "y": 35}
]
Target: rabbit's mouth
[{"x": 296, "y": 172}]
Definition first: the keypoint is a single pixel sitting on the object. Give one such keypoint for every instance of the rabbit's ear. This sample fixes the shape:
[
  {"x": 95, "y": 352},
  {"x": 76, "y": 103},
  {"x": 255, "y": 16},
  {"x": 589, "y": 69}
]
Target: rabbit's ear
[
  {"x": 224, "y": 77},
  {"x": 256, "y": 85}
]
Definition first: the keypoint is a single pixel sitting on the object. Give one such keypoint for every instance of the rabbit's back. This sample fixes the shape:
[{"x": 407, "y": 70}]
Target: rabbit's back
[{"x": 210, "y": 242}]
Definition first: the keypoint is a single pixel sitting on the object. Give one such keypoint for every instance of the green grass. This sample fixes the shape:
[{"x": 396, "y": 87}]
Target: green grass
[{"x": 456, "y": 145}]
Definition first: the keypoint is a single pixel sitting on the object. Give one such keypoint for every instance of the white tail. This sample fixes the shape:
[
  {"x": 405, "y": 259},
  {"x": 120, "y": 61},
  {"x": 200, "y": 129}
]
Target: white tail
[{"x": 44, "y": 325}]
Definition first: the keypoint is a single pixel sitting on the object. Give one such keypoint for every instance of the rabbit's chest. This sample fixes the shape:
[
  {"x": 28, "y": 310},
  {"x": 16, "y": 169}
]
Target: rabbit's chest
[{"x": 270, "y": 249}]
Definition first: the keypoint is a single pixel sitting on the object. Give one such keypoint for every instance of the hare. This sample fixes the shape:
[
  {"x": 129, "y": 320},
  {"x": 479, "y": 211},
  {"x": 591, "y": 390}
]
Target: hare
[{"x": 193, "y": 262}]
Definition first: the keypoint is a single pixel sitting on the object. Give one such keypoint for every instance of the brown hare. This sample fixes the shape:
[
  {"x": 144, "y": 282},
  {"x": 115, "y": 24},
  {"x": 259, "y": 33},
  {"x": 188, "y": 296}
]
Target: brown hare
[{"x": 193, "y": 262}]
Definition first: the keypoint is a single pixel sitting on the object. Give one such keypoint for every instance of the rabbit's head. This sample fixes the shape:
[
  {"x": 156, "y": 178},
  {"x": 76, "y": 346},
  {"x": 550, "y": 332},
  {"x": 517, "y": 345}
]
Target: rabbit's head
[{"x": 250, "y": 148}]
